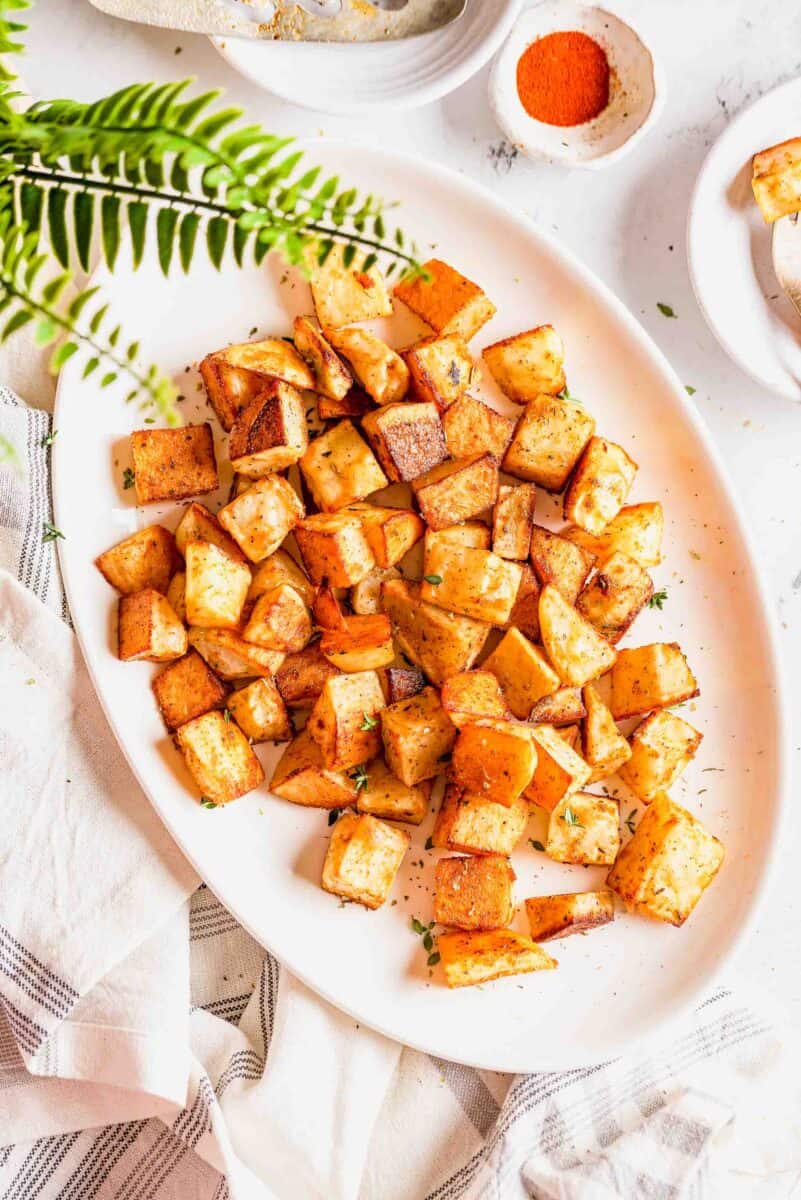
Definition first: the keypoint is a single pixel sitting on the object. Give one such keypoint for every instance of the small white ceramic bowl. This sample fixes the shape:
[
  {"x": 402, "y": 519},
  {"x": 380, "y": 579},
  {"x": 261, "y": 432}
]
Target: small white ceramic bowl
[{"x": 636, "y": 88}]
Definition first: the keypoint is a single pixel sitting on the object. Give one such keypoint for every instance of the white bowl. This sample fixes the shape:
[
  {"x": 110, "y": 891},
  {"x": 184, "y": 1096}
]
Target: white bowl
[{"x": 636, "y": 88}]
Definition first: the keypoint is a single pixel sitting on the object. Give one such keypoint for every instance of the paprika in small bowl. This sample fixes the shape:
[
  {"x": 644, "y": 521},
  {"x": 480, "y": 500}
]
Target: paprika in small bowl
[{"x": 575, "y": 84}]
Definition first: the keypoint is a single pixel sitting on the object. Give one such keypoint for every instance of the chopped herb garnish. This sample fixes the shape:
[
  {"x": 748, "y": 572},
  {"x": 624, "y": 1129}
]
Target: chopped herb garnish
[
  {"x": 432, "y": 959},
  {"x": 227, "y": 715},
  {"x": 566, "y": 394},
  {"x": 536, "y": 844},
  {"x": 419, "y": 928},
  {"x": 30, "y": 681},
  {"x": 368, "y": 723},
  {"x": 454, "y": 374},
  {"x": 429, "y": 843},
  {"x": 49, "y": 438},
  {"x": 658, "y": 599},
  {"x": 570, "y": 818},
  {"x": 629, "y": 822},
  {"x": 206, "y": 803},
  {"x": 253, "y": 331},
  {"x": 665, "y": 309},
  {"x": 428, "y": 941},
  {"x": 51, "y": 533},
  {"x": 360, "y": 777},
  {"x": 128, "y": 478},
  {"x": 150, "y": 420},
  {"x": 689, "y": 390},
  {"x": 434, "y": 580}
]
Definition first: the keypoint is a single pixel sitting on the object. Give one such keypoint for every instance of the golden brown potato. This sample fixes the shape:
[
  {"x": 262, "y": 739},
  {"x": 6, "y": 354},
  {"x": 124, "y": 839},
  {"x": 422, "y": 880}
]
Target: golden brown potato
[
  {"x": 474, "y": 893},
  {"x": 173, "y": 464},
  {"x": 604, "y": 748},
  {"x": 494, "y": 760},
  {"x": 418, "y": 735},
  {"x": 219, "y": 758},
  {"x": 176, "y": 595},
  {"x": 525, "y": 614},
  {"x": 559, "y": 562},
  {"x": 529, "y": 364},
  {"x": 478, "y": 957},
  {"x": 259, "y": 519},
  {"x": 187, "y": 688},
  {"x": 473, "y": 583},
  {"x": 584, "y": 829},
  {"x": 407, "y": 438},
  {"x": 280, "y": 568},
  {"x": 344, "y": 294},
  {"x": 660, "y": 748},
  {"x": 334, "y": 548},
  {"x": 216, "y": 586},
  {"x": 615, "y": 595},
  {"x": 227, "y": 653},
  {"x": 271, "y": 433},
  {"x": 512, "y": 520},
  {"x": 599, "y": 486},
  {"x": 563, "y": 707},
  {"x": 260, "y": 712},
  {"x": 473, "y": 825},
  {"x": 365, "y": 596},
  {"x": 229, "y": 389},
  {"x": 649, "y": 677},
  {"x": 384, "y": 795},
  {"x": 665, "y": 867},
  {"x": 446, "y": 300},
  {"x": 472, "y": 535},
  {"x": 271, "y": 358},
  {"x": 456, "y": 491},
  {"x": 559, "y": 772},
  {"x": 331, "y": 377},
  {"x": 339, "y": 467},
  {"x": 473, "y": 696},
  {"x": 440, "y": 643},
  {"x": 524, "y": 673},
  {"x": 573, "y": 912},
  {"x": 301, "y": 777},
  {"x": 577, "y": 652},
  {"x": 548, "y": 441},
  {"x": 363, "y": 858},
  {"x": 301, "y": 676},
  {"x": 344, "y": 721},
  {"x": 636, "y": 531},
  {"x": 472, "y": 427},
  {"x": 390, "y": 532},
  {"x": 356, "y": 404},
  {"x": 776, "y": 179},
  {"x": 198, "y": 524},
  {"x": 279, "y": 620},
  {"x": 148, "y": 628},
  {"x": 441, "y": 369},
  {"x": 146, "y": 559},
  {"x": 364, "y": 644},
  {"x": 570, "y": 734},
  {"x": 401, "y": 683},
  {"x": 381, "y": 372}
]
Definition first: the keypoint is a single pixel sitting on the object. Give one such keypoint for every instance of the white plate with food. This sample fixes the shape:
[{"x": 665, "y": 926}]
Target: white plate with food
[
  {"x": 729, "y": 247},
  {"x": 263, "y": 855}
]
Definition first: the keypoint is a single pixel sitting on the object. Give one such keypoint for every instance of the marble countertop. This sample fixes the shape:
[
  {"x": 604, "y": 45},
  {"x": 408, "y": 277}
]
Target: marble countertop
[{"x": 627, "y": 223}]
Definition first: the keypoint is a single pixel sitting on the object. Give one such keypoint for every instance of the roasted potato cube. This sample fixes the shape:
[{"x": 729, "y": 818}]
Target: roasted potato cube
[
  {"x": 271, "y": 433},
  {"x": 473, "y": 696},
  {"x": 334, "y": 548},
  {"x": 599, "y": 486},
  {"x": 615, "y": 595},
  {"x": 365, "y": 596},
  {"x": 604, "y": 748},
  {"x": 229, "y": 389},
  {"x": 173, "y": 464},
  {"x": 525, "y": 614},
  {"x": 390, "y": 532},
  {"x": 571, "y": 735},
  {"x": 776, "y": 179},
  {"x": 559, "y": 772},
  {"x": 331, "y": 377},
  {"x": 494, "y": 760},
  {"x": 301, "y": 777},
  {"x": 562, "y": 708},
  {"x": 274, "y": 358},
  {"x": 446, "y": 300},
  {"x": 418, "y": 734},
  {"x": 577, "y": 652},
  {"x": 472, "y": 535},
  {"x": 385, "y": 796},
  {"x": 471, "y": 427},
  {"x": 649, "y": 677},
  {"x": 381, "y": 372},
  {"x": 456, "y": 491},
  {"x": 148, "y": 628},
  {"x": 363, "y": 858},
  {"x": 216, "y": 587},
  {"x": 573, "y": 912},
  {"x": 474, "y": 893},
  {"x": 261, "y": 517},
  {"x": 227, "y": 653},
  {"x": 146, "y": 559},
  {"x": 512, "y": 520},
  {"x": 301, "y": 676},
  {"x": 548, "y": 441},
  {"x": 176, "y": 595},
  {"x": 583, "y": 829},
  {"x": 401, "y": 683},
  {"x": 523, "y": 671},
  {"x": 474, "y": 583},
  {"x": 344, "y": 294},
  {"x": 559, "y": 562},
  {"x": 441, "y": 369},
  {"x": 356, "y": 404},
  {"x": 219, "y": 757},
  {"x": 440, "y": 643},
  {"x": 260, "y": 712},
  {"x": 365, "y": 644},
  {"x": 280, "y": 568},
  {"x": 407, "y": 438},
  {"x": 528, "y": 365},
  {"x": 279, "y": 620},
  {"x": 636, "y": 531},
  {"x": 339, "y": 467},
  {"x": 477, "y": 826},
  {"x": 479, "y": 956},
  {"x": 663, "y": 869},
  {"x": 344, "y": 721},
  {"x": 198, "y": 524},
  {"x": 187, "y": 688},
  {"x": 660, "y": 748}
]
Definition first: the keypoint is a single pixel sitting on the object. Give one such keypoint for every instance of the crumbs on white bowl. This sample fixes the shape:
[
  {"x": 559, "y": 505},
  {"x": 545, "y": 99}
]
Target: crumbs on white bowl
[{"x": 575, "y": 84}]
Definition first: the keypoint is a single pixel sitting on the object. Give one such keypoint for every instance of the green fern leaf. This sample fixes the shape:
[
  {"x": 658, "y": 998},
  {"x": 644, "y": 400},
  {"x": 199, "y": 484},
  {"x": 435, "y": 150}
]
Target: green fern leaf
[
  {"x": 79, "y": 303},
  {"x": 19, "y": 320},
  {"x": 57, "y": 225},
  {"x": 166, "y": 223},
  {"x": 109, "y": 378},
  {"x": 216, "y": 238},
  {"x": 31, "y": 204},
  {"x": 91, "y": 366},
  {"x": 83, "y": 217},
  {"x": 110, "y": 228},
  {"x": 137, "y": 224},
  {"x": 61, "y": 355},
  {"x": 98, "y": 319},
  {"x": 46, "y": 331},
  {"x": 187, "y": 236},
  {"x": 53, "y": 290}
]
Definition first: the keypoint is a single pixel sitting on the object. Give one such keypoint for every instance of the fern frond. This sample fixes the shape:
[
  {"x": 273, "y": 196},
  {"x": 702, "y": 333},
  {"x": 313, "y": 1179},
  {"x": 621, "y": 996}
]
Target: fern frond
[{"x": 10, "y": 29}]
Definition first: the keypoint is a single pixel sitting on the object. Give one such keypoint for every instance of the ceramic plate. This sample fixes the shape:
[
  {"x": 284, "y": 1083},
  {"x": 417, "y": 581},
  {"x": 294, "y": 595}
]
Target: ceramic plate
[
  {"x": 728, "y": 246},
  {"x": 263, "y": 856}
]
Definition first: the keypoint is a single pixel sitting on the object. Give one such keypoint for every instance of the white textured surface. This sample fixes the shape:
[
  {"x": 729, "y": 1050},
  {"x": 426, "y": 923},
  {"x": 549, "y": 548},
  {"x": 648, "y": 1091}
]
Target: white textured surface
[{"x": 628, "y": 225}]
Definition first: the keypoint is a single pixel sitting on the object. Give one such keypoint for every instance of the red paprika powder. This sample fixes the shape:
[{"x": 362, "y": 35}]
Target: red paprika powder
[{"x": 563, "y": 78}]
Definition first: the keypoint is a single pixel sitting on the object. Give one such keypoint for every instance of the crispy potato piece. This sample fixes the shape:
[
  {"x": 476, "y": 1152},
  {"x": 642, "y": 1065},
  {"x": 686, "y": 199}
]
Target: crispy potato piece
[
  {"x": 390, "y": 532},
  {"x": 279, "y": 620},
  {"x": 417, "y": 735},
  {"x": 479, "y": 956},
  {"x": 649, "y": 677},
  {"x": 473, "y": 696},
  {"x": 407, "y": 438},
  {"x": 660, "y": 748},
  {"x": 381, "y": 372},
  {"x": 615, "y": 595},
  {"x": 559, "y": 562},
  {"x": 528, "y": 365},
  {"x": 665, "y": 867},
  {"x": 560, "y": 771},
  {"x": 216, "y": 586},
  {"x": 344, "y": 294},
  {"x": 474, "y": 583},
  {"x": 472, "y": 427},
  {"x": 148, "y": 628},
  {"x": 494, "y": 760},
  {"x": 472, "y": 535},
  {"x": 229, "y": 389},
  {"x": 219, "y": 757},
  {"x": 365, "y": 596},
  {"x": 525, "y": 614},
  {"x": 331, "y": 377},
  {"x": 365, "y": 644},
  {"x": 339, "y": 467},
  {"x": 271, "y": 433},
  {"x": 198, "y": 524},
  {"x": 563, "y": 707},
  {"x": 476, "y": 826},
  {"x": 401, "y": 683},
  {"x": 386, "y": 796},
  {"x": 227, "y": 653},
  {"x": 440, "y": 643},
  {"x": 187, "y": 688},
  {"x": 343, "y": 721},
  {"x": 280, "y": 568},
  {"x": 441, "y": 369},
  {"x": 584, "y": 829},
  {"x": 363, "y": 858},
  {"x": 261, "y": 517},
  {"x": 573, "y": 912},
  {"x": 146, "y": 559},
  {"x": 474, "y": 893},
  {"x": 334, "y": 548},
  {"x": 273, "y": 357},
  {"x": 548, "y": 441},
  {"x": 176, "y": 595},
  {"x": 603, "y": 745},
  {"x": 456, "y": 491},
  {"x": 776, "y": 179},
  {"x": 301, "y": 676},
  {"x": 301, "y": 777},
  {"x": 260, "y": 712},
  {"x": 523, "y": 671},
  {"x": 577, "y": 652},
  {"x": 636, "y": 531},
  {"x": 599, "y": 486},
  {"x": 356, "y": 404},
  {"x": 173, "y": 464},
  {"x": 446, "y": 300},
  {"x": 512, "y": 520},
  {"x": 570, "y": 735}
]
